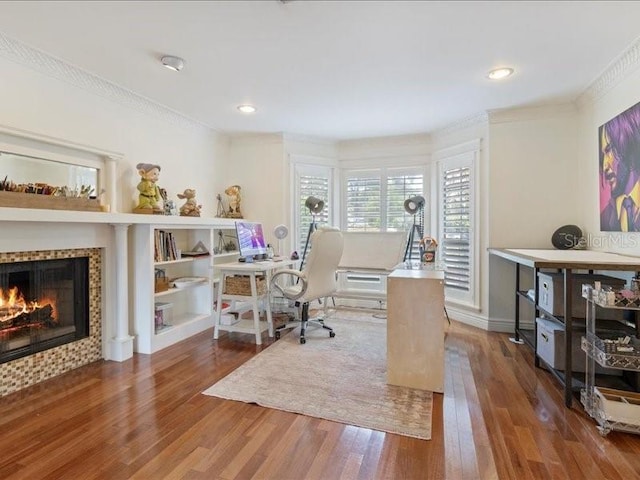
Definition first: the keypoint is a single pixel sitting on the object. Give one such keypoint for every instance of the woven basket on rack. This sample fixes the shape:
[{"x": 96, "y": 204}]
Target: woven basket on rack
[{"x": 241, "y": 285}]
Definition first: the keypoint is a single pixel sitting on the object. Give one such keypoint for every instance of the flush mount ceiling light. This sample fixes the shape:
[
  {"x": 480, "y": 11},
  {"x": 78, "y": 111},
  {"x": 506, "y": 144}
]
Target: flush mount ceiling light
[
  {"x": 172, "y": 63},
  {"x": 500, "y": 73},
  {"x": 246, "y": 108}
]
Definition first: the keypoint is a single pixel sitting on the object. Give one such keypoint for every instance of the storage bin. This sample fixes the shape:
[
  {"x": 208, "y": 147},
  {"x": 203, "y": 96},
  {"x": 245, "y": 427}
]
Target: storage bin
[
  {"x": 618, "y": 405},
  {"x": 550, "y": 347},
  {"x": 241, "y": 285},
  {"x": 229, "y": 318},
  {"x": 163, "y": 314},
  {"x": 551, "y": 294}
]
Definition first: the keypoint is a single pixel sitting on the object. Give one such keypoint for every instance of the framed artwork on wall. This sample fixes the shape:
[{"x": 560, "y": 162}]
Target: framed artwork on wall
[{"x": 619, "y": 169}]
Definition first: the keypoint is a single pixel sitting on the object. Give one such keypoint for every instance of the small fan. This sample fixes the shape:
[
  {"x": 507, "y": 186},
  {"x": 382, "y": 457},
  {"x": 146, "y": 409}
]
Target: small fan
[{"x": 280, "y": 232}]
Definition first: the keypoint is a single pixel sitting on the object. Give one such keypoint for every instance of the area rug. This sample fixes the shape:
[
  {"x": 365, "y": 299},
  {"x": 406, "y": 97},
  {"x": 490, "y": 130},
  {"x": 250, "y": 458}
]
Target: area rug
[{"x": 342, "y": 379}]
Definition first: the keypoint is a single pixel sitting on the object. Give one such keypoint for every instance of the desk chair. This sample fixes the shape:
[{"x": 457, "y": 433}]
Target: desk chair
[{"x": 316, "y": 281}]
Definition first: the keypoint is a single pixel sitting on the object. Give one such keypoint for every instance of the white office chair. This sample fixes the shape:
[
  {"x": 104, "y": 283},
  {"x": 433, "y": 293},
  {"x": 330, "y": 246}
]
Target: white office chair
[{"x": 316, "y": 281}]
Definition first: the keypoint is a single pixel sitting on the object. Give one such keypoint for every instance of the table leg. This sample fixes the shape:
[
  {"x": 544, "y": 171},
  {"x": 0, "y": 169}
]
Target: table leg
[
  {"x": 218, "y": 312},
  {"x": 256, "y": 310}
]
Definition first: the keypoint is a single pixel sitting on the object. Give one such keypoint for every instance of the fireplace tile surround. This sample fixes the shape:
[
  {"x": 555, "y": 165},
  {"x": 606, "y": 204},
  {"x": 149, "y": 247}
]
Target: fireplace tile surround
[{"x": 23, "y": 372}]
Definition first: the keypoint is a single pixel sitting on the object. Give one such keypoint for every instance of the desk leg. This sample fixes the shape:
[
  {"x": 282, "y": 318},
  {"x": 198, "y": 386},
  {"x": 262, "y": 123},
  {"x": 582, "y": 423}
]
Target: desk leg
[
  {"x": 267, "y": 309},
  {"x": 568, "y": 337},
  {"x": 256, "y": 310},
  {"x": 218, "y": 312}
]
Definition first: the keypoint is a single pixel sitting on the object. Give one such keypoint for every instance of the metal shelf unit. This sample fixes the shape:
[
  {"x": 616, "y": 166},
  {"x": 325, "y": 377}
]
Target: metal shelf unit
[{"x": 598, "y": 351}]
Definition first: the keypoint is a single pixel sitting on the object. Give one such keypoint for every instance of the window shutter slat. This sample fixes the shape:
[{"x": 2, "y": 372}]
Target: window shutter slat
[{"x": 456, "y": 224}]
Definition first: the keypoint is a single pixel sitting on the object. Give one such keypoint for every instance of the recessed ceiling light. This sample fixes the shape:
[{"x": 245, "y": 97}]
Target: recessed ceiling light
[
  {"x": 172, "y": 63},
  {"x": 500, "y": 73},
  {"x": 246, "y": 108}
]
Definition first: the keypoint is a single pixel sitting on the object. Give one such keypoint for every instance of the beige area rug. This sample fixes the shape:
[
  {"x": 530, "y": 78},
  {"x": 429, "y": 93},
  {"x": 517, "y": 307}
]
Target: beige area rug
[{"x": 342, "y": 379}]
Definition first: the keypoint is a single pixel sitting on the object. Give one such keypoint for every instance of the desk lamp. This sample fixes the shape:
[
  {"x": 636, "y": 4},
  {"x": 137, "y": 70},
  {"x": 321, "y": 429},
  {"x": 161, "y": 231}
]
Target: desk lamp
[
  {"x": 315, "y": 206},
  {"x": 413, "y": 206}
]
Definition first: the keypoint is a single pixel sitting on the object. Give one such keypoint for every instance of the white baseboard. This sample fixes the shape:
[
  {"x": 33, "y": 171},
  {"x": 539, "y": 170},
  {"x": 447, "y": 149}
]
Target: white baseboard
[{"x": 503, "y": 325}]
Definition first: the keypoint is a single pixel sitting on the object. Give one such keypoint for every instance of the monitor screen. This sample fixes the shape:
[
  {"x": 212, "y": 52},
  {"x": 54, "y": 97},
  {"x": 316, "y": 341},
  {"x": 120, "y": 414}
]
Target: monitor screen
[{"x": 250, "y": 239}]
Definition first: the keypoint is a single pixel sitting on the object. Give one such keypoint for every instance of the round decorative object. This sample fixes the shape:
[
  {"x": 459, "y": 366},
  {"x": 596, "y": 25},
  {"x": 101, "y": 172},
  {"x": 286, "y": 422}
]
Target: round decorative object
[
  {"x": 281, "y": 231},
  {"x": 567, "y": 237}
]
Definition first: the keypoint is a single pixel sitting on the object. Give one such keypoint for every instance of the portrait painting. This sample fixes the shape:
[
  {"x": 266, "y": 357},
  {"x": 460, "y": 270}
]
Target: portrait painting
[{"x": 619, "y": 172}]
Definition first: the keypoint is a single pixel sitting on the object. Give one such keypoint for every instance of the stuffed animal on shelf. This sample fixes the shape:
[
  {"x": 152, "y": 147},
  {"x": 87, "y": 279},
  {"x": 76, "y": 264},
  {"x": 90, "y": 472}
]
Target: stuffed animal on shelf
[
  {"x": 233, "y": 192},
  {"x": 190, "y": 207},
  {"x": 150, "y": 196}
]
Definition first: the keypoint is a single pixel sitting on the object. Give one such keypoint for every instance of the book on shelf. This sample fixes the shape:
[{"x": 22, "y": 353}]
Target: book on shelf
[{"x": 164, "y": 246}]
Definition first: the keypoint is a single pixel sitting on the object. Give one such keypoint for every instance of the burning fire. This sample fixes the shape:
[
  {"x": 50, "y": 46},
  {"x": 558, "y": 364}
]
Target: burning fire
[{"x": 12, "y": 304}]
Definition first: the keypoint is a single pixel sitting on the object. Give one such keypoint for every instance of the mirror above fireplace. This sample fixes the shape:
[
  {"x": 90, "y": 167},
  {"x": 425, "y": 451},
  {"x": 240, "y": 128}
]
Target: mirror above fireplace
[
  {"x": 27, "y": 172},
  {"x": 52, "y": 173}
]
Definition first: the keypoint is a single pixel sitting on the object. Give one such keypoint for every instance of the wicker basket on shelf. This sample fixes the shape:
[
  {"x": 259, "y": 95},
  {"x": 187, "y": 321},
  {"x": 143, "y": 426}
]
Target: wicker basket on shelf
[{"x": 241, "y": 285}]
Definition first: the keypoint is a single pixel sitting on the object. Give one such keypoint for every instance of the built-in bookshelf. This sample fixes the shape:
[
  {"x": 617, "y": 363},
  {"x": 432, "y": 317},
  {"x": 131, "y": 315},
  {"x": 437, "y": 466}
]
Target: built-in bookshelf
[{"x": 184, "y": 305}]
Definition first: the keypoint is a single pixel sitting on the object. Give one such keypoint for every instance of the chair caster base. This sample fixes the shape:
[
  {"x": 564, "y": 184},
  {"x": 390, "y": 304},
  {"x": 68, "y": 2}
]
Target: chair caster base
[
  {"x": 277, "y": 335},
  {"x": 332, "y": 334},
  {"x": 303, "y": 340}
]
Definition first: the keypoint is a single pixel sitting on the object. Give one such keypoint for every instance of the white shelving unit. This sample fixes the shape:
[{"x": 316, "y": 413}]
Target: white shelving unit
[
  {"x": 192, "y": 305},
  {"x": 612, "y": 409}
]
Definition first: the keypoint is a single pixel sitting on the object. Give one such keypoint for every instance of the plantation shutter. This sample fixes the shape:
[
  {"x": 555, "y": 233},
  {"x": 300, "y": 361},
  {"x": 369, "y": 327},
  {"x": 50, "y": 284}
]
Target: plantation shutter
[
  {"x": 316, "y": 185},
  {"x": 456, "y": 227},
  {"x": 363, "y": 193}
]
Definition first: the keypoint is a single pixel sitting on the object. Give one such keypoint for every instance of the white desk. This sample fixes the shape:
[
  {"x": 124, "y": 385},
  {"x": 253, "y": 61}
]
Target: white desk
[
  {"x": 252, "y": 270},
  {"x": 415, "y": 328}
]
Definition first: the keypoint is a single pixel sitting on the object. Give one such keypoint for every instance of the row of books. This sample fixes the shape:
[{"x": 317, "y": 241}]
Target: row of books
[{"x": 165, "y": 246}]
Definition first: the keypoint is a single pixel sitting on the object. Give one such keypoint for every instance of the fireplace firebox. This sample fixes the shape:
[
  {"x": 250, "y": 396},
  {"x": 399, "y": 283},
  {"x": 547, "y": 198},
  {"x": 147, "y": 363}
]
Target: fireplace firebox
[{"x": 43, "y": 304}]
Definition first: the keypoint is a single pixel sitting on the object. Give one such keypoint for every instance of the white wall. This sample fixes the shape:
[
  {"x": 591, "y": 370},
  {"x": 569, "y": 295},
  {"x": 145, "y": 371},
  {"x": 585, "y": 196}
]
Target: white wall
[
  {"x": 531, "y": 192},
  {"x": 261, "y": 165},
  {"x": 532, "y": 176},
  {"x": 258, "y": 164},
  {"x": 39, "y": 103}
]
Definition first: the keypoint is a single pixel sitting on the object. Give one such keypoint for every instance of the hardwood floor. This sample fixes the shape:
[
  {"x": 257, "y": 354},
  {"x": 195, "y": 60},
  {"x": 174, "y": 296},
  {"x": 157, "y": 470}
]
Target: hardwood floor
[{"x": 145, "y": 418}]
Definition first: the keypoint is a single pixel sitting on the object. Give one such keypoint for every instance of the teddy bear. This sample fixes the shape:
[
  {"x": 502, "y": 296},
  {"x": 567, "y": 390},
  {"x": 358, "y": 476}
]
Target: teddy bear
[{"x": 190, "y": 207}]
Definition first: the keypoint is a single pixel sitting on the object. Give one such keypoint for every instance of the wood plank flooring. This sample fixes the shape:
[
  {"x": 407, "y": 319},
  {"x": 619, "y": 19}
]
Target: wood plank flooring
[{"x": 500, "y": 417}]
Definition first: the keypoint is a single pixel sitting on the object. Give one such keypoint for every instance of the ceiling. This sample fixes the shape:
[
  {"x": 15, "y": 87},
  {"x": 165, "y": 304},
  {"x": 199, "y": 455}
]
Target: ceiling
[{"x": 334, "y": 69}]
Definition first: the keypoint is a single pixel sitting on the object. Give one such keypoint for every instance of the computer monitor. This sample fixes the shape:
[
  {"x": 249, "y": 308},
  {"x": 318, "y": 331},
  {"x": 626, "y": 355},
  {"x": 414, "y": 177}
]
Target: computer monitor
[{"x": 251, "y": 240}]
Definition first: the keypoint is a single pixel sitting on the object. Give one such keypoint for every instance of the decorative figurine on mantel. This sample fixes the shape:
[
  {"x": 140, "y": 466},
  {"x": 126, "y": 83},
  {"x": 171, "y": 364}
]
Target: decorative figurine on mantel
[
  {"x": 233, "y": 192},
  {"x": 150, "y": 196},
  {"x": 190, "y": 207}
]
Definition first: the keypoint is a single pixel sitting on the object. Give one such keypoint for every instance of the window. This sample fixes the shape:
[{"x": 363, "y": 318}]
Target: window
[
  {"x": 310, "y": 181},
  {"x": 457, "y": 247},
  {"x": 374, "y": 199},
  {"x": 363, "y": 192}
]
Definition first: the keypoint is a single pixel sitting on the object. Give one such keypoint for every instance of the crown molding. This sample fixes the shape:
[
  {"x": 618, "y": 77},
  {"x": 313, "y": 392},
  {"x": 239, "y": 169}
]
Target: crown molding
[
  {"x": 613, "y": 74},
  {"x": 507, "y": 115},
  {"x": 60, "y": 70},
  {"x": 253, "y": 139},
  {"x": 481, "y": 118}
]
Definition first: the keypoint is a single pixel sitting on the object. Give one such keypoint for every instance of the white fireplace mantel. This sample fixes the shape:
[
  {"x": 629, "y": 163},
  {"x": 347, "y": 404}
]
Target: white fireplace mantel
[{"x": 26, "y": 229}]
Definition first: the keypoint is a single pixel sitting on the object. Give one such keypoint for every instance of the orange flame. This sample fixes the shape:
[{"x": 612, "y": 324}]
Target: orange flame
[{"x": 12, "y": 304}]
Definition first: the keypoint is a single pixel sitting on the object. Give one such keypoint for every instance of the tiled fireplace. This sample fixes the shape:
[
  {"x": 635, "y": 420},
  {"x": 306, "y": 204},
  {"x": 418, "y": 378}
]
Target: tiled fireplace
[{"x": 50, "y": 314}]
